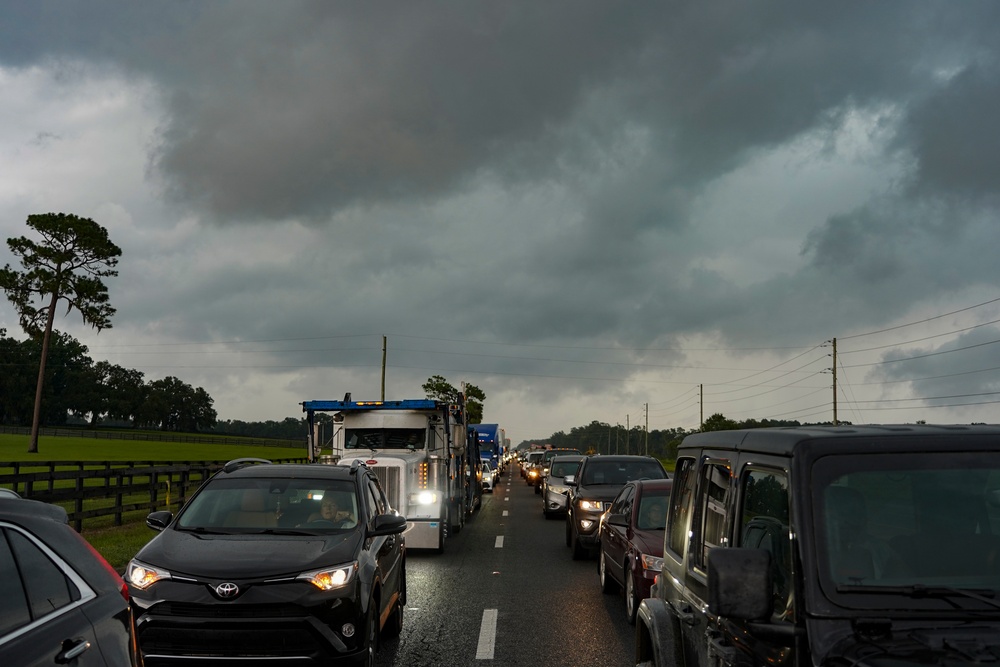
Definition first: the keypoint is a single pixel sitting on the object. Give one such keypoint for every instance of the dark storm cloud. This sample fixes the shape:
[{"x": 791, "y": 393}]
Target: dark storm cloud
[{"x": 301, "y": 109}]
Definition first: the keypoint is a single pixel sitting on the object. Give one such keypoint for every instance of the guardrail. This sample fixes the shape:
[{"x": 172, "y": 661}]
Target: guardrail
[{"x": 97, "y": 489}]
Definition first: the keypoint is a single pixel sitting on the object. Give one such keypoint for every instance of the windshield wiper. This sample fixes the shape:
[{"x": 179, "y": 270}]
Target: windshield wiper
[
  {"x": 917, "y": 591},
  {"x": 282, "y": 531},
  {"x": 201, "y": 530}
]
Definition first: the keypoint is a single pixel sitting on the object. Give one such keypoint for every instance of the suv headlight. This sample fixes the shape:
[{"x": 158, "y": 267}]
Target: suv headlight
[
  {"x": 332, "y": 577},
  {"x": 143, "y": 576},
  {"x": 592, "y": 505}
]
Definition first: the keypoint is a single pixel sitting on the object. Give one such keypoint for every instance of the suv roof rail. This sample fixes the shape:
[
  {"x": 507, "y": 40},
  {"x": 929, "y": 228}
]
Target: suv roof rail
[{"x": 236, "y": 464}]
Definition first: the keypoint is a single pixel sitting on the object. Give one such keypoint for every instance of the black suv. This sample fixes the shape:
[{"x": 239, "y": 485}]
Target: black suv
[
  {"x": 875, "y": 545},
  {"x": 591, "y": 490},
  {"x": 272, "y": 563},
  {"x": 60, "y": 601}
]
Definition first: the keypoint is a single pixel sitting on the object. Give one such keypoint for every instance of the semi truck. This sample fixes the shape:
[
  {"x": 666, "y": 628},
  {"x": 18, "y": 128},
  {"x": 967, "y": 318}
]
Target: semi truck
[
  {"x": 492, "y": 444},
  {"x": 417, "y": 448}
]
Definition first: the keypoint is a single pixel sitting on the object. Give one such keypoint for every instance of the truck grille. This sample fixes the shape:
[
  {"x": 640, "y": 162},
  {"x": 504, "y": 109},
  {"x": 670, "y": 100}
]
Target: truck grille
[{"x": 388, "y": 477}]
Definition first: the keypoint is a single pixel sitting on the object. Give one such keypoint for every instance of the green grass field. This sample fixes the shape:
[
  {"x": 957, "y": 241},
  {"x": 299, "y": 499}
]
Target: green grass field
[{"x": 119, "y": 543}]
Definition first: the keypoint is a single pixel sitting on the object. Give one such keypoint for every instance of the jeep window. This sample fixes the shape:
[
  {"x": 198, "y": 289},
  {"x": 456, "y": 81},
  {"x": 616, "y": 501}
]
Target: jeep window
[
  {"x": 714, "y": 495},
  {"x": 680, "y": 507},
  {"x": 764, "y": 525},
  {"x": 894, "y": 520}
]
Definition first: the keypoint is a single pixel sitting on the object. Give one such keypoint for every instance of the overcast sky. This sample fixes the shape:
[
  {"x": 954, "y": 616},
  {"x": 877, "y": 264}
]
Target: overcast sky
[{"x": 590, "y": 210}]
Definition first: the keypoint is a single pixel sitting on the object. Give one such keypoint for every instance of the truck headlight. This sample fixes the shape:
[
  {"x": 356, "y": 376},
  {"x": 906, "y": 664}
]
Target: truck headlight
[{"x": 423, "y": 498}]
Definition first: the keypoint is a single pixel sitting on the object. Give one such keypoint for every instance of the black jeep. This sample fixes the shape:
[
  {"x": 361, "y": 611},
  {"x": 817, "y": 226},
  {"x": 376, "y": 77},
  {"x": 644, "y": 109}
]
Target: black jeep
[{"x": 845, "y": 546}]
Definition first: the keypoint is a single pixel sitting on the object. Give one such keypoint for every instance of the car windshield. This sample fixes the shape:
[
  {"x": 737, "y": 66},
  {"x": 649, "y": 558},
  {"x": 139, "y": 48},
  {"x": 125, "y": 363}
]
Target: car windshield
[
  {"x": 253, "y": 505},
  {"x": 620, "y": 472},
  {"x": 892, "y": 522},
  {"x": 385, "y": 438},
  {"x": 564, "y": 468}
]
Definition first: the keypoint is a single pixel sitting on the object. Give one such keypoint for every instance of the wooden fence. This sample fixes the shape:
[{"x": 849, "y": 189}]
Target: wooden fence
[
  {"x": 99, "y": 490},
  {"x": 156, "y": 436}
]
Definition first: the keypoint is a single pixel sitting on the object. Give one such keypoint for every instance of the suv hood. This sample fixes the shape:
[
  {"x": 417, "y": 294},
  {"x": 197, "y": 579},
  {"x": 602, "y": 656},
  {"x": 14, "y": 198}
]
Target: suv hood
[
  {"x": 247, "y": 556},
  {"x": 952, "y": 646},
  {"x": 599, "y": 491}
]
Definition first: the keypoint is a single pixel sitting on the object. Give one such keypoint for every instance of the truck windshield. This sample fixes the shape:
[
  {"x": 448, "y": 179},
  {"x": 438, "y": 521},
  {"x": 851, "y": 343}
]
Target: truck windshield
[
  {"x": 386, "y": 438},
  {"x": 908, "y": 519}
]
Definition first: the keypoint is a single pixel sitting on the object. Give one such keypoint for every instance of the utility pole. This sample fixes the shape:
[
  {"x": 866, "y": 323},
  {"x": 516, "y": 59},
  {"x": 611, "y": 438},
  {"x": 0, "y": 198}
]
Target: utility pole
[
  {"x": 835, "y": 421},
  {"x": 383, "y": 368},
  {"x": 627, "y": 434},
  {"x": 646, "y": 428},
  {"x": 701, "y": 404}
]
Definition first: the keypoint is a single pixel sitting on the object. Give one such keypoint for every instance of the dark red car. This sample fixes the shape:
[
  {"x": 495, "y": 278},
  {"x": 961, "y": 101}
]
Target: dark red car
[{"x": 631, "y": 540}]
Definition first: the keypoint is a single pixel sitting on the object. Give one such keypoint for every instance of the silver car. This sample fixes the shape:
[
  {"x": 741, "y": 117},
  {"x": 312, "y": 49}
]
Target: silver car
[{"x": 554, "y": 489}]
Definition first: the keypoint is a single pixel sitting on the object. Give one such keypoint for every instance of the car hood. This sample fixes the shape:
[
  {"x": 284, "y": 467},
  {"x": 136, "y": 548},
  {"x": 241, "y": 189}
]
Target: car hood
[
  {"x": 649, "y": 541},
  {"x": 250, "y": 556},
  {"x": 599, "y": 491}
]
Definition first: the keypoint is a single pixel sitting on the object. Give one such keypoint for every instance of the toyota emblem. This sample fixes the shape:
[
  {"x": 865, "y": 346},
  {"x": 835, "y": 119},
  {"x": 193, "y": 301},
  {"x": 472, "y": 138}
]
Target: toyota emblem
[{"x": 227, "y": 590}]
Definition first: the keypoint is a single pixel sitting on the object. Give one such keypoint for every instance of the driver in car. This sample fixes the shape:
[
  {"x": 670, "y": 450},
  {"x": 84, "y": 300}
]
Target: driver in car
[{"x": 329, "y": 510}]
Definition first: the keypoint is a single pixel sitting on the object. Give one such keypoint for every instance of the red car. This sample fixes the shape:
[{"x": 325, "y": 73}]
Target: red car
[{"x": 631, "y": 540}]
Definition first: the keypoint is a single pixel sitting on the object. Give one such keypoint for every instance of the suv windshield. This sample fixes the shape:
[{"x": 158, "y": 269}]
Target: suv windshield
[
  {"x": 895, "y": 522},
  {"x": 254, "y": 504},
  {"x": 619, "y": 472}
]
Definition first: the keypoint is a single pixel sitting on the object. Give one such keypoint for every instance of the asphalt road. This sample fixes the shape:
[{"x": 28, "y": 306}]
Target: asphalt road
[{"x": 507, "y": 591}]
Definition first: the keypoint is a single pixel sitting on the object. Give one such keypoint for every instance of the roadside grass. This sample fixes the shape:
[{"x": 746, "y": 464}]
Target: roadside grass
[{"x": 118, "y": 544}]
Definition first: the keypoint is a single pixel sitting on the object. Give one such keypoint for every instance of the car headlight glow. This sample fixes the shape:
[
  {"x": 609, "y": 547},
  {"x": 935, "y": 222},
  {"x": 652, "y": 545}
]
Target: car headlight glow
[
  {"x": 652, "y": 563},
  {"x": 591, "y": 505},
  {"x": 331, "y": 578},
  {"x": 143, "y": 576},
  {"x": 423, "y": 498}
]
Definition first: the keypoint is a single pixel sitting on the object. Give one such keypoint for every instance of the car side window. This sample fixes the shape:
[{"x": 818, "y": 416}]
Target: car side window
[
  {"x": 764, "y": 524},
  {"x": 47, "y": 588},
  {"x": 623, "y": 503},
  {"x": 14, "y": 611},
  {"x": 713, "y": 512},
  {"x": 680, "y": 507}
]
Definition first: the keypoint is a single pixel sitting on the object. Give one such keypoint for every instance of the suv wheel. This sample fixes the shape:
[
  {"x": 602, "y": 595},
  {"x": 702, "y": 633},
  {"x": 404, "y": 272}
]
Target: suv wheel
[
  {"x": 579, "y": 551},
  {"x": 607, "y": 585},
  {"x": 569, "y": 529},
  {"x": 371, "y": 629}
]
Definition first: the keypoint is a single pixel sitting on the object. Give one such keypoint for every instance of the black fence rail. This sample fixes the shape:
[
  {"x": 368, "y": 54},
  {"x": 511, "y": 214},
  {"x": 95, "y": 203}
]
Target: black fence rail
[
  {"x": 156, "y": 436},
  {"x": 97, "y": 490}
]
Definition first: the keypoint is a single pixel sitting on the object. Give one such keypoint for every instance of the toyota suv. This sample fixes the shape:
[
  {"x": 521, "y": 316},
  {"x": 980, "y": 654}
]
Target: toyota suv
[
  {"x": 830, "y": 546},
  {"x": 271, "y": 563},
  {"x": 591, "y": 490}
]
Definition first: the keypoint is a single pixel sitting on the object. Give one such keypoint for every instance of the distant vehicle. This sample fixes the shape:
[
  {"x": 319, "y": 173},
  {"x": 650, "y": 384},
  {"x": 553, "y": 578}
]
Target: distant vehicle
[
  {"x": 270, "y": 564},
  {"x": 489, "y": 477},
  {"x": 555, "y": 493},
  {"x": 830, "y": 545},
  {"x": 631, "y": 536},
  {"x": 492, "y": 444},
  {"x": 592, "y": 489},
  {"x": 533, "y": 468},
  {"x": 62, "y": 603}
]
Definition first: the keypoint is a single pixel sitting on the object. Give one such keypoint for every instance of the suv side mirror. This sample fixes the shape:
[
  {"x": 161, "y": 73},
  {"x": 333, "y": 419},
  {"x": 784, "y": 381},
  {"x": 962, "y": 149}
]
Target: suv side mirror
[
  {"x": 159, "y": 520},
  {"x": 388, "y": 524},
  {"x": 618, "y": 520},
  {"x": 739, "y": 583},
  {"x": 570, "y": 480}
]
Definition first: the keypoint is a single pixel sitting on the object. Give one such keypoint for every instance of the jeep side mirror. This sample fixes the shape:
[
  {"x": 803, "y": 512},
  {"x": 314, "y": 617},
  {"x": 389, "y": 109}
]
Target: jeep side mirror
[{"x": 739, "y": 583}]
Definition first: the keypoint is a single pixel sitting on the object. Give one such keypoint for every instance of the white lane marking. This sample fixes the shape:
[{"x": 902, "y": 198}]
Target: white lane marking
[
  {"x": 505, "y": 512},
  {"x": 499, "y": 542},
  {"x": 487, "y": 635}
]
